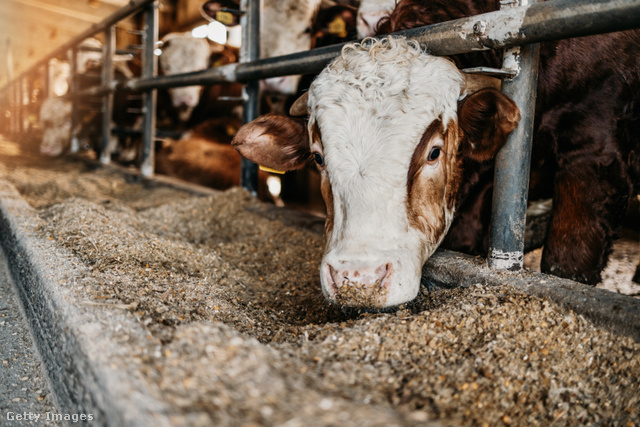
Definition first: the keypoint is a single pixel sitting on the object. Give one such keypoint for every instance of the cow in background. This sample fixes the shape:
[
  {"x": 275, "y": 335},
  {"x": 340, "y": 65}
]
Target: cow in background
[
  {"x": 55, "y": 113},
  {"x": 182, "y": 108},
  {"x": 204, "y": 156},
  {"x": 290, "y": 26}
]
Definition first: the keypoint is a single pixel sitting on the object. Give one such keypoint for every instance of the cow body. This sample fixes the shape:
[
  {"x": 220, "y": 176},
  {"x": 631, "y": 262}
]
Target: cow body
[
  {"x": 204, "y": 155},
  {"x": 584, "y": 155}
]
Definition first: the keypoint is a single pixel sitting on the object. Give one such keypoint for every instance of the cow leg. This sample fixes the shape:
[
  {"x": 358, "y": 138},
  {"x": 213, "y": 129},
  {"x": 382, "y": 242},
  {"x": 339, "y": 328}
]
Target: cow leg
[{"x": 590, "y": 198}]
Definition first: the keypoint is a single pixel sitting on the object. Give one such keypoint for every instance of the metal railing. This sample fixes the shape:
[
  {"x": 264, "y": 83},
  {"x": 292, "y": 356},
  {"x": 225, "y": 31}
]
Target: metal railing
[{"x": 518, "y": 26}]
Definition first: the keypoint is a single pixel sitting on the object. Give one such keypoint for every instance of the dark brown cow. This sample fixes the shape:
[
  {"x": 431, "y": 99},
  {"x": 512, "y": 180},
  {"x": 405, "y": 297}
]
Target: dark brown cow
[{"x": 586, "y": 150}]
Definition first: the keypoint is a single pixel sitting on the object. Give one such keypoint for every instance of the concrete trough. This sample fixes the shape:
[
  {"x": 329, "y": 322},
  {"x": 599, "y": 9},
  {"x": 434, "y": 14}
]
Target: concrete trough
[{"x": 94, "y": 355}]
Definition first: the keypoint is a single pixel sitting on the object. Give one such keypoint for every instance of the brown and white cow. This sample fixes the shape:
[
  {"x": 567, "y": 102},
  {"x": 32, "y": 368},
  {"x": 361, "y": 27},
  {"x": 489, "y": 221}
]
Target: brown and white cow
[
  {"x": 183, "y": 53},
  {"x": 388, "y": 127},
  {"x": 290, "y": 26},
  {"x": 586, "y": 154}
]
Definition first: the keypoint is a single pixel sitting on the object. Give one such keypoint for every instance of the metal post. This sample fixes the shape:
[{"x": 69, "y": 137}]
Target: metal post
[
  {"x": 511, "y": 181},
  {"x": 20, "y": 106},
  {"x": 149, "y": 69},
  {"x": 46, "y": 81},
  {"x": 107, "y": 100},
  {"x": 14, "y": 109},
  {"x": 30, "y": 91},
  {"x": 250, "y": 51},
  {"x": 73, "y": 89}
]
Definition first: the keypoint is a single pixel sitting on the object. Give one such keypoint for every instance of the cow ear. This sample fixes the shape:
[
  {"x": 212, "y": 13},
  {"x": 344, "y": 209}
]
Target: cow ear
[
  {"x": 275, "y": 141},
  {"x": 335, "y": 21},
  {"x": 486, "y": 118}
]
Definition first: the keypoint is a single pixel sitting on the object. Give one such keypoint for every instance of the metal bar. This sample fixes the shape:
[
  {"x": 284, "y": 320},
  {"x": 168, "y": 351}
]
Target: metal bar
[
  {"x": 117, "y": 51},
  {"x": 122, "y": 13},
  {"x": 20, "y": 105},
  {"x": 511, "y": 180},
  {"x": 14, "y": 109},
  {"x": 107, "y": 100},
  {"x": 46, "y": 81},
  {"x": 149, "y": 69},
  {"x": 73, "y": 88},
  {"x": 250, "y": 51}
]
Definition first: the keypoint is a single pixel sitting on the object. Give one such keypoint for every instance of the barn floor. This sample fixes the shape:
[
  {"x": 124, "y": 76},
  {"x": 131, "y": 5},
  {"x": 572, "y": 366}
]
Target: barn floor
[{"x": 207, "y": 310}]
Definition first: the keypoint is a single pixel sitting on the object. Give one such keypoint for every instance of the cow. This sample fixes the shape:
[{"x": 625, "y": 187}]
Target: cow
[
  {"x": 204, "y": 156},
  {"x": 55, "y": 113},
  {"x": 290, "y": 26},
  {"x": 396, "y": 132},
  {"x": 570, "y": 90},
  {"x": 182, "y": 53}
]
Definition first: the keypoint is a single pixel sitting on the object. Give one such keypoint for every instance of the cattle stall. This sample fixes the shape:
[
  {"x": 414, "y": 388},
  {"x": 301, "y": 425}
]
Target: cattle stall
[
  {"x": 508, "y": 28},
  {"x": 517, "y": 28}
]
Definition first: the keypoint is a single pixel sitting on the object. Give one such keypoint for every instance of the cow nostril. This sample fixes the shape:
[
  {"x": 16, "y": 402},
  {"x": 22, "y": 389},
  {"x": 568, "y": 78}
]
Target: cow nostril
[{"x": 365, "y": 277}]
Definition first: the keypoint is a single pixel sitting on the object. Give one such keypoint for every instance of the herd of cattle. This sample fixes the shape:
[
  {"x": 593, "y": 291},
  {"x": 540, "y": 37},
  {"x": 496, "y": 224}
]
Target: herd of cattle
[{"x": 404, "y": 142}]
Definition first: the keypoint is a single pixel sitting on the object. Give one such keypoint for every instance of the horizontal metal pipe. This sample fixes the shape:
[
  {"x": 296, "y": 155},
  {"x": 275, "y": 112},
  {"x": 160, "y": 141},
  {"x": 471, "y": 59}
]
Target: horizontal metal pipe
[
  {"x": 221, "y": 74},
  {"x": 117, "y": 51}
]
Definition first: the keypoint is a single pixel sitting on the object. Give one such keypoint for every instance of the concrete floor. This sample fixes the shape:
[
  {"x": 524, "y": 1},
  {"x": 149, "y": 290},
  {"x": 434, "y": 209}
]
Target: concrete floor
[{"x": 25, "y": 397}]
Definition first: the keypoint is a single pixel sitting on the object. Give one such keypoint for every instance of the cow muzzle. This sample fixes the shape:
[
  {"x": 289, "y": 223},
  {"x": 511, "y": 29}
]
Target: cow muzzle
[{"x": 370, "y": 285}]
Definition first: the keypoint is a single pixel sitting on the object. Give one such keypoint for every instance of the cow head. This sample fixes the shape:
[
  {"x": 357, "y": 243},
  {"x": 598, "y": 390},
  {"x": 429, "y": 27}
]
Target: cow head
[
  {"x": 183, "y": 53},
  {"x": 388, "y": 127}
]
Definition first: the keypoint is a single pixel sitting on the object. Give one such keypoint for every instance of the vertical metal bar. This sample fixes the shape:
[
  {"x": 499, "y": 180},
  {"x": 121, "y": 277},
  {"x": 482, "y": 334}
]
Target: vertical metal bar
[
  {"x": 14, "y": 109},
  {"x": 30, "y": 90},
  {"x": 73, "y": 89},
  {"x": 149, "y": 69},
  {"x": 21, "y": 106},
  {"x": 511, "y": 181},
  {"x": 46, "y": 81},
  {"x": 108, "y": 50},
  {"x": 250, "y": 51}
]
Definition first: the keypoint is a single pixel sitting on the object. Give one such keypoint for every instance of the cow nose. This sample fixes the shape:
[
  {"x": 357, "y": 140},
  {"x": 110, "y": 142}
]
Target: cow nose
[{"x": 362, "y": 286}]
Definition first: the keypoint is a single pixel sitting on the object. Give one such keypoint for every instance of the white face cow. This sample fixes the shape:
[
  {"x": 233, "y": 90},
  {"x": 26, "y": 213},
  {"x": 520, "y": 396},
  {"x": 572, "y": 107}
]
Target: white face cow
[
  {"x": 183, "y": 53},
  {"x": 388, "y": 126}
]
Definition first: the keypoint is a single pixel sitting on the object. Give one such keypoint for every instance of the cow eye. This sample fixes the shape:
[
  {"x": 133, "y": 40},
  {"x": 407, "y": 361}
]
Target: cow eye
[
  {"x": 308, "y": 30},
  {"x": 433, "y": 154},
  {"x": 319, "y": 159}
]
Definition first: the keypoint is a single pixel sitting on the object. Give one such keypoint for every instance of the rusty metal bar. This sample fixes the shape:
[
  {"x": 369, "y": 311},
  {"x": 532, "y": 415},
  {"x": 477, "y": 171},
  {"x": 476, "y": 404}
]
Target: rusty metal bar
[
  {"x": 250, "y": 51},
  {"x": 149, "y": 69}
]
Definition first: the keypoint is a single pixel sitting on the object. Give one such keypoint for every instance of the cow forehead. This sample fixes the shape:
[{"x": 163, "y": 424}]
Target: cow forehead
[
  {"x": 284, "y": 24},
  {"x": 373, "y": 103},
  {"x": 186, "y": 53}
]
